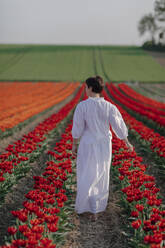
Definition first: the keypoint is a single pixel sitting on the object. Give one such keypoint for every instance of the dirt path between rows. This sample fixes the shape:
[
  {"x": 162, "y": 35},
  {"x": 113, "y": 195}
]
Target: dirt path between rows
[
  {"x": 106, "y": 232},
  {"x": 155, "y": 92}
]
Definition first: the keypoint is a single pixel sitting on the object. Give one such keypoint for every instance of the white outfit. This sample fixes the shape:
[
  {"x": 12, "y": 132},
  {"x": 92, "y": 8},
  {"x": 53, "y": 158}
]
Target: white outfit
[{"x": 91, "y": 121}]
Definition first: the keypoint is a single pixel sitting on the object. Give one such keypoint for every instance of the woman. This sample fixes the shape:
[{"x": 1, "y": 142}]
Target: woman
[{"x": 91, "y": 121}]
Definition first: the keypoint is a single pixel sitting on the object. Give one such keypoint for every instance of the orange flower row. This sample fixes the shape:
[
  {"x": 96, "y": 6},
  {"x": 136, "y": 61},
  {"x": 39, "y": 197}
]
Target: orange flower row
[{"x": 20, "y": 101}]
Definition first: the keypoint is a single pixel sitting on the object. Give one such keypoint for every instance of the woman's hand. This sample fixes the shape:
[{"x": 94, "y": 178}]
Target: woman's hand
[
  {"x": 130, "y": 147},
  {"x": 74, "y": 149}
]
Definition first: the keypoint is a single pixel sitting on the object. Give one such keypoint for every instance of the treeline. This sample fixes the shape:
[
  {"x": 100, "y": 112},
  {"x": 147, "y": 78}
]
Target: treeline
[{"x": 154, "y": 25}]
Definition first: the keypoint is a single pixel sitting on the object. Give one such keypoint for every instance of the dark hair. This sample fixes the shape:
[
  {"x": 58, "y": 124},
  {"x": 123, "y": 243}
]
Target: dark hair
[{"x": 96, "y": 83}]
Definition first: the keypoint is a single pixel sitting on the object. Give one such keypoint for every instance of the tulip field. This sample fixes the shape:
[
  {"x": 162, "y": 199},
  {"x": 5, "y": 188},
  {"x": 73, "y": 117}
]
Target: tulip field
[
  {"x": 28, "y": 99},
  {"x": 37, "y": 168},
  {"x": 49, "y": 188}
]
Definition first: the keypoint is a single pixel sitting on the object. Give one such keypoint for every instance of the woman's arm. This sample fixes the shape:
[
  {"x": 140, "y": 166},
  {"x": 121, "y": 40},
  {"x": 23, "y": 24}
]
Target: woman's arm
[
  {"x": 119, "y": 126},
  {"x": 75, "y": 141},
  {"x": 78, "y": 127},
  {"x": 74, "y": 146}
]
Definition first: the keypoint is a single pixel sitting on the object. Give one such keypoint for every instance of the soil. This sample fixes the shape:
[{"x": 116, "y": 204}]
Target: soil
[
  {"x": 105, "y": 232},
  {"x": 159, "y": 57},
  {"x": 155, "y": 91}
]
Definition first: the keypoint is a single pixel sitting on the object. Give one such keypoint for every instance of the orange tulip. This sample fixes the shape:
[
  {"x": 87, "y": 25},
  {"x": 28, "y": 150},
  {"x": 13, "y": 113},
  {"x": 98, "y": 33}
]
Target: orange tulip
[{"x": 21, "y": 100}]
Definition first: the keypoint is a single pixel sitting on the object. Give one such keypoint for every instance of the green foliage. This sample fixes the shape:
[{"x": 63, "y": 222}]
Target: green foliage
[
  {"x": 131, "y": 64},
  {"x": 54, "y": 63},
  {"x": 148, "y": 45},
  {"x": 76, "y": 63},
  {"x": 160, "y": 10},
  {"x": 148, "y": 24}
]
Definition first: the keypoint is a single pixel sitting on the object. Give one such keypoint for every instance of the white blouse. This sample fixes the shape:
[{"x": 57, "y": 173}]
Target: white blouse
[{"x": 92, "y": 118}]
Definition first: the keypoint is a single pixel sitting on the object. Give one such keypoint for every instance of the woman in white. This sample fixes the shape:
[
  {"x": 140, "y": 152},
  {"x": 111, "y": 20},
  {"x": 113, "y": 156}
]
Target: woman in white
[{"x": 91, "y": 121}]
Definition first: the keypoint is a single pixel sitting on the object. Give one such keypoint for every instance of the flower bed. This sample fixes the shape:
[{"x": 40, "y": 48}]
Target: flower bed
[
  {"x": 140, "y": 197},
  {"x": 15, "y": 162},
  {"x": 142, "y": 99},
  {"x": 28, "y": 99},
  {"x": 138, "y": 107},
  {"x": 140, "y": 194},
  {"x": 44, "y": 217},
  {"x": 156, "y": 141}
]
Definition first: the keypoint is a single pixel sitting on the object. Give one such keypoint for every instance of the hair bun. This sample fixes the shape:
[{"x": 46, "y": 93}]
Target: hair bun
[
  {"x": 96, "y": 83},
  {"x": 100, "y": 80}
]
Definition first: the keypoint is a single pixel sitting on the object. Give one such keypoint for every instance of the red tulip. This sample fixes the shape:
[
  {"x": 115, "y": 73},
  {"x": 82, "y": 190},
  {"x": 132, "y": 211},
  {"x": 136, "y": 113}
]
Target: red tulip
[
  {"x": 136, "y": 224},
  {"x": 12, "y": 230}
]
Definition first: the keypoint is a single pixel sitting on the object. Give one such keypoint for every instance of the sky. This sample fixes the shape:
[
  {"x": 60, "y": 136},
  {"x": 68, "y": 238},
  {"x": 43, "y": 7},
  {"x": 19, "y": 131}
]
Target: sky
[{"x": 95, "y": 22}]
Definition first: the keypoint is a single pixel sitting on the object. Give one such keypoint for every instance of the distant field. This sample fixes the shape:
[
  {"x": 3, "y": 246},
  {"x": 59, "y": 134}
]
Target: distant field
[
  {"x": 131, "y": 63},
  {"x": 76, "y": 63}
]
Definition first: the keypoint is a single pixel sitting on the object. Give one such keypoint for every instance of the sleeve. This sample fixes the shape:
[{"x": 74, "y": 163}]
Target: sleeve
[
  {"x": 78, "y": 122},
  {"x": 117, "y": 123}
]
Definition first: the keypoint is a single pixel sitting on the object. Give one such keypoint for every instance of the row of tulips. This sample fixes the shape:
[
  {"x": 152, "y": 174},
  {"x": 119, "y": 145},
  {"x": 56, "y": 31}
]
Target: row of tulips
[
  {"x": 44, "y": 214},
  {"x": 155, "y": 140},
  {"x": 15, "y": 162},
  {"x": 138, "y": 107},
  {"x": 28, "y": 99},
  {"x": 140, "y": 197},
  {"x": 155, "y": 105},
  {"x": 128, "y": 92}
]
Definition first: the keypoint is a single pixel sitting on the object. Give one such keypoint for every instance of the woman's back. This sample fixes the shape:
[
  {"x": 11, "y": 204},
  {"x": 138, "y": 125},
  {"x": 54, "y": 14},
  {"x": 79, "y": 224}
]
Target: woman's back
[{"x": 95, "y": 115}]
